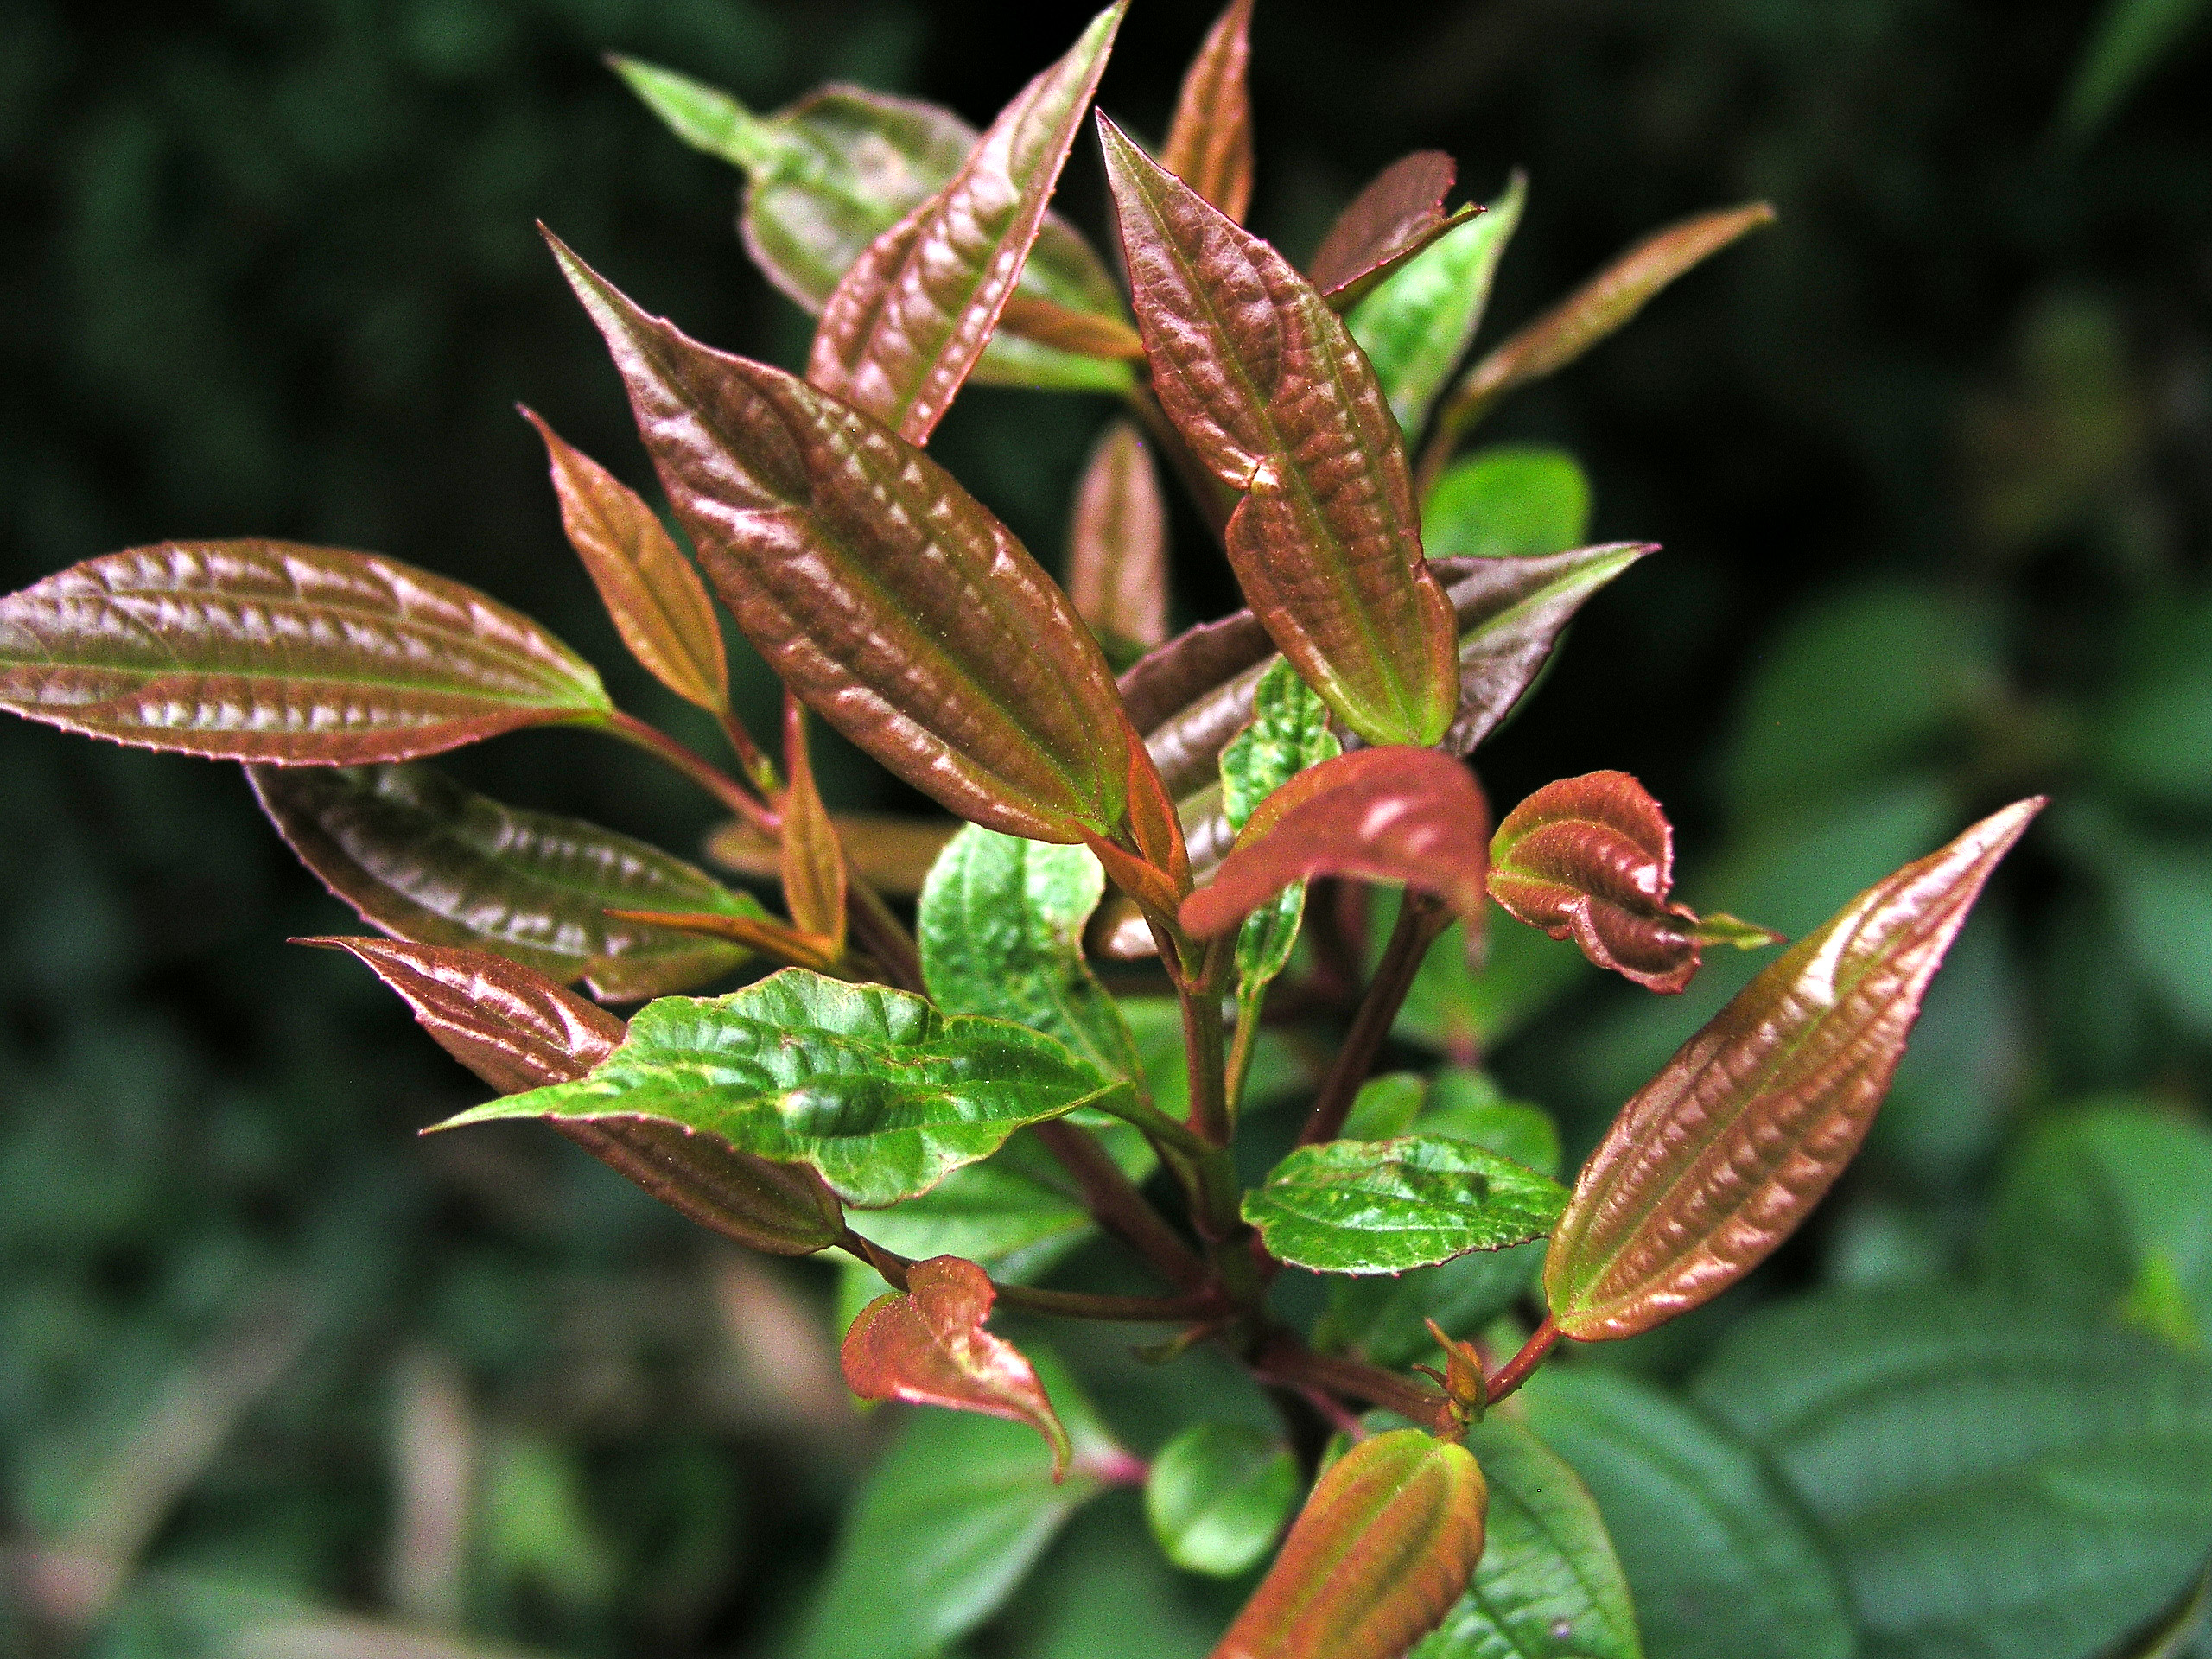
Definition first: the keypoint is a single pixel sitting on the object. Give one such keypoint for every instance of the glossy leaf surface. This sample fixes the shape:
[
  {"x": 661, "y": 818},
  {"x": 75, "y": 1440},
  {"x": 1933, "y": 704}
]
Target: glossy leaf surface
[
  {"x": 1417, "y": 321},
  {"x": 1001, "y": 928},
  {"x": 910, "y": 318},
  {"x": 1549, "y": 1585},
  {"x": 1289, "y": 733},
  {"x": 517, "y": 1030},
  {"x": 873, "y": 1087},
  {"x": 811, "y": 865},
  {"x": 947, "y": 1524},
  {"x": 1382, "y": 814},
  {"x": 2062, "y": 1474},
  {"x": 1400, "y": 212},
  {"x": 927, "y": 1346},
  {"x": 1511, "y": 614},
  {"x": 1597, "y": 308},
  {"x": 1276, "y": 401},
  {"x": 271, "y": 650},
  {"x": 421, "y": 858},
  {"x": 1218, "y": 1497},
  {"x": 1721, "y": 1561},
  {"x": 1383, "y": 1206},
  {"x": 659, "y": 603},
  {"x": 1117, "y": 545},
  {"x": 877, "y": 588},
  {"x": 1386, "y": 1543},
  {"x": 1592, "y": 859},
  {"x": 1208, "y": 143},
  {"x": 1720, "y": 1156}
]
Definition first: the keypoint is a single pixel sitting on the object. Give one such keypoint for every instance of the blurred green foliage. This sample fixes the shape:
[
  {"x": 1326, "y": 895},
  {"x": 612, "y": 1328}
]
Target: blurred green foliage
[{"x": 1930, "y": 461}]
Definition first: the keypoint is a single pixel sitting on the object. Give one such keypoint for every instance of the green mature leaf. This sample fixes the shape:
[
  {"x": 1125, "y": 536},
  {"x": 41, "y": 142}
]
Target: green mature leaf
[
  {"x": 832, "y": 173},
  {"x": 873, "y": 1087},
  {"x": 1382, "y": 1206},
  {"x": 2132, "y": 37},
  {"x": 1208, "y": 144},
  {"x": 1722, "y": 1564},
  {"x": 1417, "y": 323},
  {"x": 421, "y": 858},
  {"x": 909, "y": 319},
  {"x": 271, "y": 650},
  {"x": 880, "y": 592},
  {"x": 1117, "y": 546},
  {"x": 1717, "y": 1159},
  {"x": 950, "y": 1521},
  {"x": 1001, "y": 927},
  {"x": 1289, "y": 732},
  {"x": 1218, "y": 1495},
  {"x": 1549, "y": 1585},
  {"x": 1465, "y": 1009},
  {"x": 1385, "y": 1107},
  {"x": 2061, "y": 1475},
  {"x": 1387, "y": 1541},
  {"x": 2103, "y": 1211},
  {"x": 1261, "y": 379},
  {"x": 1509, "y": 501}
]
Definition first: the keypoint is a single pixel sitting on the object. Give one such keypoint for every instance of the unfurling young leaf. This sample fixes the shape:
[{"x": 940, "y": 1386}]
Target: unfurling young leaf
[
  {"x": 419, "y": 856},
  {"x": 1386, "y": 1543},
  {"x": 517, "y": 1030},
  {"x": 1416, "y": 323},
  {"x": 877, "y": 588},
  {"x": 812, "y": 865},
  {"x": 1218, "y": 1496},
  {"x": 1276, "y": 401},
  {"x": 659, "y": 606},
  {"x": 1383, "y": 1206},
  {"x": 907, "y": 322},
  {"x": 1382, "y": 814},
  {"x": 1719, "y": 1158},
  {"x": 926, "y": 1345},
  {"x": 1209, "y": 141},
  {"x": 1397, "y": 215},
  {"x": 1595, "y": 310},
  {"x": 873, "y": 1087},
  {"x": 271, "y": 650},
  {"x": 1592, "y": 859},
  {"x": 1117, "y": 546}
]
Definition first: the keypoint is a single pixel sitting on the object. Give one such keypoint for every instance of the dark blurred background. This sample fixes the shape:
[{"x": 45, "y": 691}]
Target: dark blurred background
[{"x": 1931, "y": 462}]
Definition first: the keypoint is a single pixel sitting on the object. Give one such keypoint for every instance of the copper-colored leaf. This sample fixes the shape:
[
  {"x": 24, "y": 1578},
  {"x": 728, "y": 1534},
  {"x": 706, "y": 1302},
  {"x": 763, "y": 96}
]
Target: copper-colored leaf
[
  {"x": 877, "y": 588},
  {"x": 927, "y": 1346},
  {"x": 813, "y": 863},
  {"x": 762, "y": 935},
  {"x": 1088, "y": 334},
  {"x": 1399, "y": 214},
  {"x": 1386, "y": 1543},
  {"x": 909, "y": 320},
  {"x": 517, "y": 1030},
  {"x": 270, "y": 651},
  {"x": 659, "y": 606},
  {"x": 1595, "y": 310},
  {"x": 1209, "y": 141},
  {"x": 1117, "y": 544},
  {"x": 1717, "y": 1159},
  {"x": 1592, "y": 859},
  {"x": 891, "y": 852},
  {"x": 1274, "y": 399},
  {"x": 1383, "y": 815}
]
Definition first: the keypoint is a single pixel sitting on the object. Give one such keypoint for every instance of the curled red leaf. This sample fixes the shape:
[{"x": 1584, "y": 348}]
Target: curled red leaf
[
  {"x": 1400, "y": 212},
  {"x": 1382, "y": 814},
  {"x": 1717, "y": 1159},
  {"x": 927, "y": 1346}
]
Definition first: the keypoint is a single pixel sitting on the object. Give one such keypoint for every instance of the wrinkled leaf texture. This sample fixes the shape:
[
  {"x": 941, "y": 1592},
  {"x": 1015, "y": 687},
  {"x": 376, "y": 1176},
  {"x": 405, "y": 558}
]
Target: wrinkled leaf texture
[
  {"x": 909, "y": 320},
  {"x": 871, "y": 1086},
  {"x": 927, "y": 1346},
  {"x": 274, "y": 652},
  {"x": 1208, "y": 143},
  {"x": 1274, "y": 399},
  {"x": 882, "y": 593},
  {"x": 1398, "y": 214},
  {"x": 1386, "y": 1543},
  {"x": 425, "y": 859},
  {"x": 1717, "y": 1159},
  {"x": 517, "y": 1030}
]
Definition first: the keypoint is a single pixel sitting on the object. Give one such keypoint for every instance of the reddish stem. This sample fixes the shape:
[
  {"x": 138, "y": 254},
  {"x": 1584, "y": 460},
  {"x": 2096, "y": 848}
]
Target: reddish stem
[
  {"x": 1421, "y": 918},
  {"x": 702, "y": 772},
  {"x": 1517, "y": 1369},
  {"x": 1113, "y": 1200},
  {"x": 1285, "y": 1361},
  {"x": 1067, "y": 1303}
]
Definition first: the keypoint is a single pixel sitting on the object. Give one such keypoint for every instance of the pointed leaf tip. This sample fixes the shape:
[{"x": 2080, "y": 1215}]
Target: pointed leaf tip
[
  {"x": 1719, "y": 1157},
  {"x": 1267, "y": 387},
  {"x": 927, "y": 1346},
  {"x": 1389, "y": 222}
]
